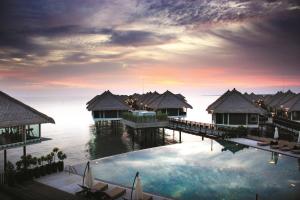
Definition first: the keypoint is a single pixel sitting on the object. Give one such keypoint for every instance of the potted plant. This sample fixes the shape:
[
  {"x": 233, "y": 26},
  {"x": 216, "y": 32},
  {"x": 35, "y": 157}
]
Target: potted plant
[
  {"x": 43, "y": 170},
  {"x": 35, "y": 169},
  {"x": 61, "y": 156},
  {"x": 10, "y": 171},
  {"x": 49, "y": 159},
  {"x": 19, "y": 173}
]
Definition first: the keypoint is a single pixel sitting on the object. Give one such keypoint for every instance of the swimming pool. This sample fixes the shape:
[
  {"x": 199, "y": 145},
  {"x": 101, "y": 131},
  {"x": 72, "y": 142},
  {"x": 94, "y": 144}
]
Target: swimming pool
[{"x": 207, "y": 169}]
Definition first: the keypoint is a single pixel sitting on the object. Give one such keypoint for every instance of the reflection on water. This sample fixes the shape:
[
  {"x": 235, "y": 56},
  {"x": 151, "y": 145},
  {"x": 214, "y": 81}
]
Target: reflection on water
[
  {"x": 203, "y": 170},
  {"x": 74, "y": 131}
]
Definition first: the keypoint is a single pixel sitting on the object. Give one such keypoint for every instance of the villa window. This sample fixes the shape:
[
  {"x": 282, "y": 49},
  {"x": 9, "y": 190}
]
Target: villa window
[
  {"x": 296, "y": 115},
  {"x": 252, "y": 118},
  {"x": 226, "y": 118},
  {"x": 237, "y": 119},
  {"x": 219, "y": 118},
  {"x": 96, "y": 114}
]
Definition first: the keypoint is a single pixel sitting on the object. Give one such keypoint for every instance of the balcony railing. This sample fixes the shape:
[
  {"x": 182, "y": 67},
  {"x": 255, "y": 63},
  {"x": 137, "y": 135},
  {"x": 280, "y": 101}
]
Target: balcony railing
[{"x": 160, "y": 117}]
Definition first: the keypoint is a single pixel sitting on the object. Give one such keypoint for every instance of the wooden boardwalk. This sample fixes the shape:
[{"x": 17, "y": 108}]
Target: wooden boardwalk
[
  {"x": 287, "y": 124},
  {"x": 196, "y": 128}
]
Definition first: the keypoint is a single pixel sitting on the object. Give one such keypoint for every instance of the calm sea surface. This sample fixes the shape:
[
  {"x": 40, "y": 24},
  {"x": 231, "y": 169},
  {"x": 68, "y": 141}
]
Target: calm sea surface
[{"x": 74, "y": 131}]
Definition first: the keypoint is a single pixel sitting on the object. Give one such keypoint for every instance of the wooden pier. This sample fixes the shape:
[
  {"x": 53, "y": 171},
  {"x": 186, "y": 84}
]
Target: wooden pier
[{"x": 195, "y": 128}]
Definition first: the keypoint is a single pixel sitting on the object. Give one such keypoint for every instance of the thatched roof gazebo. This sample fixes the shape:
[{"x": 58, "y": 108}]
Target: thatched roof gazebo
[
  {"x": 20, "y": 124},
  {"x": 107, "y": 106},
  {"x": 170, "y": 104},
  {"x": 234, "y": 109}
]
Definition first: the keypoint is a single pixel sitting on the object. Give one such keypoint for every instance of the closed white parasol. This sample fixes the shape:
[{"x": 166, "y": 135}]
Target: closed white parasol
[
  {"x": 276, "y": 134},
  {"x": 138, "y": 189},
  {"x": 89, "y": 179},
  {"x": 298, "y": 137}
]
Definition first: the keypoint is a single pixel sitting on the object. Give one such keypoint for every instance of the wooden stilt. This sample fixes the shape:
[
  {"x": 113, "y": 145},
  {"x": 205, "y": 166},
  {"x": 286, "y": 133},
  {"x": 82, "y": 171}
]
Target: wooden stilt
[
  {"x": 180, "y": 136},
  {"x": 163, "y": 137},
  {"x": 5, "y": 160}
]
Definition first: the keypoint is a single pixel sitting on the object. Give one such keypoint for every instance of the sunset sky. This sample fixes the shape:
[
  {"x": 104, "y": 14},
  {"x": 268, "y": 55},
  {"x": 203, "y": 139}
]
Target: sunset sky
[{"x": 208, "y": 46}]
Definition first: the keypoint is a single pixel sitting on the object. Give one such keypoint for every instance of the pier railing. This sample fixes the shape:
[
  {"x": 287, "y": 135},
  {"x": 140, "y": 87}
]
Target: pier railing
[{"x": 197, "y": 128}]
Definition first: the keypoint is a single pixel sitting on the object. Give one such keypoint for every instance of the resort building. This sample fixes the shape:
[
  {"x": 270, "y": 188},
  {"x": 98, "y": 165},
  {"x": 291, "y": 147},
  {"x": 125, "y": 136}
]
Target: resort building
[
  {"x": 292, "y": 108},
  {"x": 233, "y": 109},
  {"x": 107, "y": 106},
  {"x": 170, "y": 104},
  {"x": 20, "y": 124}
]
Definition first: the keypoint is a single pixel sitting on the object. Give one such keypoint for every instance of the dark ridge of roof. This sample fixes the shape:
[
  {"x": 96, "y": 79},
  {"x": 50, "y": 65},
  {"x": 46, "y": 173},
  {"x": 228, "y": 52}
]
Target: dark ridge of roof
[
  {"x": 273, "y": 98},
  {"x": 151, "y": 98},
  {"x": 279, "y": 102},
  {"x": 218, "y": 101},
  {"x": 168, "y": 100},
  {"x": 234, "y": 102},
  {"x": 107, "y": 101},
  {"x": 181, "y": 96},
  {"x": 15, "y": 113}
]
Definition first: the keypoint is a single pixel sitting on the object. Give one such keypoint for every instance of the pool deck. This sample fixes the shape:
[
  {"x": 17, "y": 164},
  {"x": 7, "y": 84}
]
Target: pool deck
[
  {"x": 253, "y": 143},
  {"x": 68, "y": 182}
]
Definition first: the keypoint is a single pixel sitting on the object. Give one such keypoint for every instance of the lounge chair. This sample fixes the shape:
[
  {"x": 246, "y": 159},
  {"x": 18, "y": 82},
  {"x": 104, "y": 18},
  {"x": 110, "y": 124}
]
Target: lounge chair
[
  {"x": 99, "y": 187},
  {"x": 147, "y": 197},
  {"x": 113, "y": 194},
  {"x": 286, "y": 148},
  {"x": 275, "y": 146},
  {"x": 263, "y": 143},
  {"x": 296, "y": 151}
]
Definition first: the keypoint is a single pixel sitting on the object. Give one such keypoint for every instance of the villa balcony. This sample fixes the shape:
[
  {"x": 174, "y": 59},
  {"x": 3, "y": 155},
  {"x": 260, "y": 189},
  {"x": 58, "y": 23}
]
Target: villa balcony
[
  {"x": 155, "y": 121},
  {"x": 17, "y": 136}
]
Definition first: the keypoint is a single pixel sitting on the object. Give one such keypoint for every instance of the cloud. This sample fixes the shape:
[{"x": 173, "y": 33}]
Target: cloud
[
  {"x": 272, "y": 43},
  {"x": 138, "y": 38}
]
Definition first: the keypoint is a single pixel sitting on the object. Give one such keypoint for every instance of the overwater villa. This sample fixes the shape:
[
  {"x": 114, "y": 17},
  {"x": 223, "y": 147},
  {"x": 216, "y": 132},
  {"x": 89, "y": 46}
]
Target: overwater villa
[
  {"x": 170, "y": 104},
  {"x": 107, "y": 106},
  {"x": 233, "y": 109},
  {"x": 292, "y": 108},
  {"x": 20, "y": 124}
]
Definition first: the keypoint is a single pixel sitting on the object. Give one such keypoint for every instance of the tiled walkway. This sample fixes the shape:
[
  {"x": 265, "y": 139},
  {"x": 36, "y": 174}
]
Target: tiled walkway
[
  {"x": 253, "y": 143},
  {"x": 69, "y": 183}
]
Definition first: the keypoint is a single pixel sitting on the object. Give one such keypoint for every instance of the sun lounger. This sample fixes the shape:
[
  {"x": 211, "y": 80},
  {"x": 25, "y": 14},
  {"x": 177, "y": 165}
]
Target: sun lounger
[
  {"x": 297, "y": 151},
  {"x": 263, "y": 143},
  {"x": 147, "y": 197},
  {"x": 285, "y": 148},
  {"x": 99, "y": 187},
  {"x": 274, "y": 146},
  {"x": 115, "y": 193}
]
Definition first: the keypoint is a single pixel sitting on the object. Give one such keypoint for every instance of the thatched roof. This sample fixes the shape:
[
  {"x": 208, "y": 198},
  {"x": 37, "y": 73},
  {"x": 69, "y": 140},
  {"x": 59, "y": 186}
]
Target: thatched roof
[
  {"x": 217, "y": 102},
  {"x": 234, "y": 102},
  {"x": 107, "y": 101},
  {"x": 278, "y": 95},
  {"x": 168, "y": 100},
  {"x": 150, "y": 98},
  {"x": 253, "y": 97},
  {"x": 15, "y": 113},
  {"x": 293, "y": 104},
  {"x": 284, "y": 98}
]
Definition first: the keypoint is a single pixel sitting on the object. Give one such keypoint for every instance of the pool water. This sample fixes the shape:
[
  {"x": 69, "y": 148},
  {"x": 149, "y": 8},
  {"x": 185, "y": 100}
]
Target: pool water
[{"x": 206, "y": 169}]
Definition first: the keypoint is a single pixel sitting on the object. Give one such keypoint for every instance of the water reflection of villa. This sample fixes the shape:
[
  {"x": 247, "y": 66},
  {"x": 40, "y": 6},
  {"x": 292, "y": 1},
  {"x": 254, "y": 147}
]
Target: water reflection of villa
[{"x": 20, "y": 125}]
